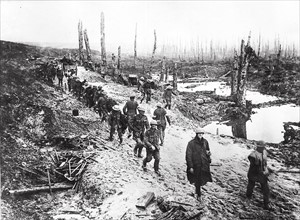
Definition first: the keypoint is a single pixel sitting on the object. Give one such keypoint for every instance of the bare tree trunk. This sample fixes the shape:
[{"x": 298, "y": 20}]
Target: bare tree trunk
[
  {"x": 119, "y": 58},
  {"x": 211, "y": 50},
  {"x": 135, "y": 53},
  {"x": 259, "y": 42},
  {"x": 234, "y": 75},
  {"x": 87, "y": 46},
  {"x": 153, "y": 52},
  {"x": 294, "y": 52},
  {"x": 239, "y": 128},
  {"x": 163, "y": 69},
  {"x": 103, "y": 50},
  {"x": 167, "y": 73},
  {"x": 175, "y": 75},
  {"x": 202, "y": 59},
  {"x": 278, "y": 56},
  {"x": 80, "y": 38},
  {"x": 247, "y": 54}
]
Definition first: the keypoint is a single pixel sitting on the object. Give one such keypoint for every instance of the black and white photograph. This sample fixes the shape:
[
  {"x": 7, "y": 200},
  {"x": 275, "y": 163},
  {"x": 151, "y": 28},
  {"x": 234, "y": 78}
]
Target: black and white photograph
[{"x": 150, "y": 110}]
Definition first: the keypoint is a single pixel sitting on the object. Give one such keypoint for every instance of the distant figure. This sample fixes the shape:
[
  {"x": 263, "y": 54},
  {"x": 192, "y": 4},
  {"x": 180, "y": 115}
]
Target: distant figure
[
  {"x": 139, "y": 124},
  {"x": 53, "y": 71},
  {"x": 289, "y": 133},
  {"x": 60, "y": 76},
  {"x": 152, "y": 147},
  {"x": 130, "y": 110},
  {"x": 140, "y": 84},
  {"x": 160, "y": 115},
  {"x": 198, "y": 162},
  {"x": 146, "y": 87},
  {"x": 259, "y": 172},
  {"x": 100, "y": 106},
  {"x": 167, "y": 96}
]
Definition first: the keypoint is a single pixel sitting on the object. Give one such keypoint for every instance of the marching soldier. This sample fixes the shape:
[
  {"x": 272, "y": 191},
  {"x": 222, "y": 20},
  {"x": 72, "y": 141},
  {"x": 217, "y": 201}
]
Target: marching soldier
[
  {"x": 140, "y": 84},
  {"x": 130, "y": 110},
  {"x": 146, "y": 91},
  {"x": 116, "y": 121},
  {"x": 152, "y": 147},
  {"x": 259, "y": 172},
  {"x": 161, "y": 116},
  {"x": 101, "y": 107},
  {"x": 60, "y": 76},
  {"x": 167, "y": 96},
  {"x": 139, "y": 124}
]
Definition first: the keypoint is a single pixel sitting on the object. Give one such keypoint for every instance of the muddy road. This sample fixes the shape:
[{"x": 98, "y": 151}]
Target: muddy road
[
  {"x": 114, "y": 182},
  {"x": 120, "y": 180}
]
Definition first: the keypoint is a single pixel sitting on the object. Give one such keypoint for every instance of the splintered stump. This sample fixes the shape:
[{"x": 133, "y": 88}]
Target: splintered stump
[{"x": 145, "y": 200}]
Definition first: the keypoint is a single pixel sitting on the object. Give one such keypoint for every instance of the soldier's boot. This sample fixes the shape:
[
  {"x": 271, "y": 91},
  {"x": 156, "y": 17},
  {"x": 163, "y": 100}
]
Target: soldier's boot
[
  {"x": 144, "y": 165},
  {"x": 140, "y": 148},
  {"x": 110, "y": 137},
  {"x": 135, "y": 150},
  {"x": 268, "y": 206}
]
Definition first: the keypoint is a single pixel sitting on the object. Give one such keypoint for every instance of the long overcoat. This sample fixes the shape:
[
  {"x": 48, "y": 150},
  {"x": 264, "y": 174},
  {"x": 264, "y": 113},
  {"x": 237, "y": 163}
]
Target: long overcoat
[{"x": 198, "y": 159}]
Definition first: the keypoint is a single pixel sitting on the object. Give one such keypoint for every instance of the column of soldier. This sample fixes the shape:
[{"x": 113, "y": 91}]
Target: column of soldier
[{"x": 151, "y": 136}]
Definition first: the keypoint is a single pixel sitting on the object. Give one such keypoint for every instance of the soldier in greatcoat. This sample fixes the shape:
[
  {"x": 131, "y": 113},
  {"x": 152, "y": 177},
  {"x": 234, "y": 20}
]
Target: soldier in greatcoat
[{"x": 198, "y": 162}]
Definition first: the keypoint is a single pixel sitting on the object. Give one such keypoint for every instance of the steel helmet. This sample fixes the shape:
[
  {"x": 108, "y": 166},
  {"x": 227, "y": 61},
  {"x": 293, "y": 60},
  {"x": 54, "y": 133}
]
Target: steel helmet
[
  {"x": 153, "y": 122},
  {"x": 116, "y": 108},
  {"x": 199, "y": 131},
  {"x": 140, "y": 108}
]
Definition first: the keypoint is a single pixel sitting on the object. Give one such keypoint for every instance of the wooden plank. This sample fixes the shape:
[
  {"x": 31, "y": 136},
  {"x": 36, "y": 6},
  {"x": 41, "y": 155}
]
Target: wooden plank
[
  {"x": 40, "y": 189},
  {"x": 145, "y": 200}
]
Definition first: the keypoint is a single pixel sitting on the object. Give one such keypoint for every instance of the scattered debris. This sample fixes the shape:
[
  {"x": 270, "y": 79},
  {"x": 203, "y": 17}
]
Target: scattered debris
[{"x": 145, "y": 200}]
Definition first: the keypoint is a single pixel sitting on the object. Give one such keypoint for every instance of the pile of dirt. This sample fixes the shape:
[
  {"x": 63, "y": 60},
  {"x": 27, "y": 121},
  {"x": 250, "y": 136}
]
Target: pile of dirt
[{"x": 33, "y": 115}]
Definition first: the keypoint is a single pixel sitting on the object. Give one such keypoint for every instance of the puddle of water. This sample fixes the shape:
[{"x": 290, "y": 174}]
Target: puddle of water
[
  {"x": 266, "y": 124},
  {"x": 224, "y": 90}
]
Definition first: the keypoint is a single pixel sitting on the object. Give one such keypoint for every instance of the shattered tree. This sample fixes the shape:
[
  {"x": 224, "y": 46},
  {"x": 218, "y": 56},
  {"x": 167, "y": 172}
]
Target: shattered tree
[
  {"x": 163, "y": 69},
  {"x": 80, "y": 39},
  {"x": 259, "y": 42},
  {"x": 135, "y": 53},
  {"x": 234, "y": 74},
  {"x": 168, "y": 70},
  {"x": 247, "y": 53},
  {"x": 153, "y": 52},
  {"x": 87, "y": 46},
  {"x": 175, "y": 75},
  {"x": 103, "y": 50},
  {"x": 119, "y": 58}
]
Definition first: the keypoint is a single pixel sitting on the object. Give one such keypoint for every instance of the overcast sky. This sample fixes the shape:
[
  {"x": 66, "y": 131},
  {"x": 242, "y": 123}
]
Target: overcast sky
[{"x": 178, "y": 22}]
